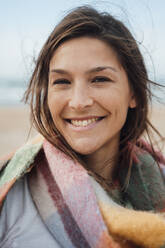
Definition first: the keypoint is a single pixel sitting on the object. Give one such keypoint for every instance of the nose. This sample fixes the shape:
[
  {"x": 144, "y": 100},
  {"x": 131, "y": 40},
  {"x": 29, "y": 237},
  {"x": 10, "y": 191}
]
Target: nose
[{"x": 80, "y": 97}]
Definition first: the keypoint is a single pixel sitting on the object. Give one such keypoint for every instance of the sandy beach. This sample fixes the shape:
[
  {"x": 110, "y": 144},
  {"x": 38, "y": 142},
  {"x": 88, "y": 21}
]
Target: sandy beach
[{"x": 15, "y": 126}]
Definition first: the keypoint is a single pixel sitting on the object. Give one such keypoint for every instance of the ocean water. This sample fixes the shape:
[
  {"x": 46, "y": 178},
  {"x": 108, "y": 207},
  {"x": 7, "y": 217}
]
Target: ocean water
[{"x": 12, "y": 91}]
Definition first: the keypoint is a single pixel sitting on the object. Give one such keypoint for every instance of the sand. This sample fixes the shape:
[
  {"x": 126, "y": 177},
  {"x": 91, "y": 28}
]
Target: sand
[{"x": 15, "y": 126}]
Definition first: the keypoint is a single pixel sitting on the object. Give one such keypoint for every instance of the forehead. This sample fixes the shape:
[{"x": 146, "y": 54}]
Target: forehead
[{"x": 84, "y": 50}]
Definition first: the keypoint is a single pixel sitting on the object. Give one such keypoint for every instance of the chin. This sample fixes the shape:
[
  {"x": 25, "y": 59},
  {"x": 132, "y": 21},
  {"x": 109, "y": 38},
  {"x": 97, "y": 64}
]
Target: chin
[{"x": 83, "y": 151}]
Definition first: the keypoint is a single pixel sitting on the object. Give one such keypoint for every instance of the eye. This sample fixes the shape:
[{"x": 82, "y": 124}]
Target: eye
[
  {"x": 100, "y": 79},
  {"x": 61, "y": 81}
]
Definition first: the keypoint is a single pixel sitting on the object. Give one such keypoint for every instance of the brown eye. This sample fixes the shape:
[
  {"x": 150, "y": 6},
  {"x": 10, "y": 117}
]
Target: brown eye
[
  {"x": 61, "y": 81},
  {"x": 101, "y": 79}
]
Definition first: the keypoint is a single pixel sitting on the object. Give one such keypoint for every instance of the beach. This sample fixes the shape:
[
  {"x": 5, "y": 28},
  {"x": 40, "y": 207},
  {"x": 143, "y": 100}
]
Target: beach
[{"x": 15, "y": 126}]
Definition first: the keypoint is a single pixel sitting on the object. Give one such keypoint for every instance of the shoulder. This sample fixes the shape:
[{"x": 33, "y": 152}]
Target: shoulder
[{"x": 18, "y": 164}]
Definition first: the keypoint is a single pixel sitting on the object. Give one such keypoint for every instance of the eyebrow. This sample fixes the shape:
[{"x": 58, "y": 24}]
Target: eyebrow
[
  {"x": 95, "y": 69},
  {"x": 102, "y": 68}
]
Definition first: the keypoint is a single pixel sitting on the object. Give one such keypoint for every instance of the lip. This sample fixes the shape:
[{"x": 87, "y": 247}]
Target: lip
[
  {"x": 84, "y": 118},
  {"x": 84, "y": 128}
]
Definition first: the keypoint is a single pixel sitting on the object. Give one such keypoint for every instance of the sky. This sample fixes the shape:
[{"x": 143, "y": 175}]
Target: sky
[{"x": 25, "y": 26}]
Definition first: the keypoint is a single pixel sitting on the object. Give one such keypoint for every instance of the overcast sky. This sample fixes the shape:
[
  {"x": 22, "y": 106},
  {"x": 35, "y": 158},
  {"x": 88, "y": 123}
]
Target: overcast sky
[{"x": 25, "y": 25}]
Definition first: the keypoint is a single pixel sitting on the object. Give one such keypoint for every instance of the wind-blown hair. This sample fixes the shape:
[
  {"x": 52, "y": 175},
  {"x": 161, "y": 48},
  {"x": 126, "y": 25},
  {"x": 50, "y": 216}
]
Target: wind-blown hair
[{"x": 86, "y": 21}]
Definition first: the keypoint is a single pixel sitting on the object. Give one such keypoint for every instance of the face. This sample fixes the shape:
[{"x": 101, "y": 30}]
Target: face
[{"x": 88, "y": 95}]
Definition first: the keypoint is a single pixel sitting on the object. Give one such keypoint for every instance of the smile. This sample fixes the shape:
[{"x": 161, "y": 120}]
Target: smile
[{"x": 84, "y": 122}]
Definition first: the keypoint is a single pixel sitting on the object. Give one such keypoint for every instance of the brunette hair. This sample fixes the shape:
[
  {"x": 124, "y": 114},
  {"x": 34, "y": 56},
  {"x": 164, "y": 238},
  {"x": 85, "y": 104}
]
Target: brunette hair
[{"x": 86, "y": 21}]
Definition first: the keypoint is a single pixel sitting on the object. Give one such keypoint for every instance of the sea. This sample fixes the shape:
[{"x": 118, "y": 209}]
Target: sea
[{"x": 12, "y": 91}]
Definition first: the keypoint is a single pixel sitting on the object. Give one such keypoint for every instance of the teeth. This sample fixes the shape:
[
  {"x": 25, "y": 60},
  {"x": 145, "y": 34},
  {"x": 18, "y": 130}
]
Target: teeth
[{"x": 83, "y": 123}]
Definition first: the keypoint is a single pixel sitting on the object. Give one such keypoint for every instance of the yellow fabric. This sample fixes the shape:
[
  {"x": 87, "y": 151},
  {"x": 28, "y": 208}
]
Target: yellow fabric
[{"x": 143, "y": 228}]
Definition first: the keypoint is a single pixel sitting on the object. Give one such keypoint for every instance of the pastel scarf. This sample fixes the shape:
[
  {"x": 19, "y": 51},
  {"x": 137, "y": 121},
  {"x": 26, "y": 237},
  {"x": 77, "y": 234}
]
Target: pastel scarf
[
  {"x": 79, "y": 213},
  {"x": 76, "y": 209}
]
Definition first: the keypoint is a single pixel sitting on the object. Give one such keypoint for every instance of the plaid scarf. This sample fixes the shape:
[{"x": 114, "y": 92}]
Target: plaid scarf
[{"x": 76, "y": 209}]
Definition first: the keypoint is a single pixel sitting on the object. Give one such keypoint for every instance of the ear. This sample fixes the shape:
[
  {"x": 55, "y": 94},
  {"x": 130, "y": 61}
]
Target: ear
[{"x": 132, "y": 103}]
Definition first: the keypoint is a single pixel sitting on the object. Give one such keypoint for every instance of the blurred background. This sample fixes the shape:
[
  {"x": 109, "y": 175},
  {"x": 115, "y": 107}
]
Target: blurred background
[{"x": 25, "y": 26}]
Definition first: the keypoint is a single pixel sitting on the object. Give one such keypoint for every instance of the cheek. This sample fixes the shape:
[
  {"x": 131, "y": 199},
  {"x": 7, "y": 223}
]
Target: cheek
[
  {"x": 54, "y": 105},
  {"x": 117, "y": 105},
  {"x": 114, "y": 101}
]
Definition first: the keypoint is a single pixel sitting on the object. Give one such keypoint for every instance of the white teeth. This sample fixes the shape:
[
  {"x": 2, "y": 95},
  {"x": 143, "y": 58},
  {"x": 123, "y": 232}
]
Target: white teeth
[{"x": 83, "y": 123}]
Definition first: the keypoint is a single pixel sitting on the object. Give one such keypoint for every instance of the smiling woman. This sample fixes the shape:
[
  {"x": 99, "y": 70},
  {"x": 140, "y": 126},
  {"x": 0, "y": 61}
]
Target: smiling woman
[
  {"x": 92, "y": 179},
  {"x": 87, "y": 93}
]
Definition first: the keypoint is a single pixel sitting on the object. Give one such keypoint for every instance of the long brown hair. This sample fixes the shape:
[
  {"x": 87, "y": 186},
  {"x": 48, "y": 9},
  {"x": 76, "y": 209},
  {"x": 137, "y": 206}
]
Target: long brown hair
[{"x": 86, "y": 21}]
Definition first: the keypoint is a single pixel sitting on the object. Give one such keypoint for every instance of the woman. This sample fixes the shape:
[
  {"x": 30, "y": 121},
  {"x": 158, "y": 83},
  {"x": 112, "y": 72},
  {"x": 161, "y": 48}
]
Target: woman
[{"x": 88, "y": 181}]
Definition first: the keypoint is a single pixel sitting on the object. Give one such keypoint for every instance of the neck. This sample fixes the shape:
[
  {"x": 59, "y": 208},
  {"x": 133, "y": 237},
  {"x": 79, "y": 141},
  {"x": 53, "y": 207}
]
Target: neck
[{"x": 103, "y": 162}]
